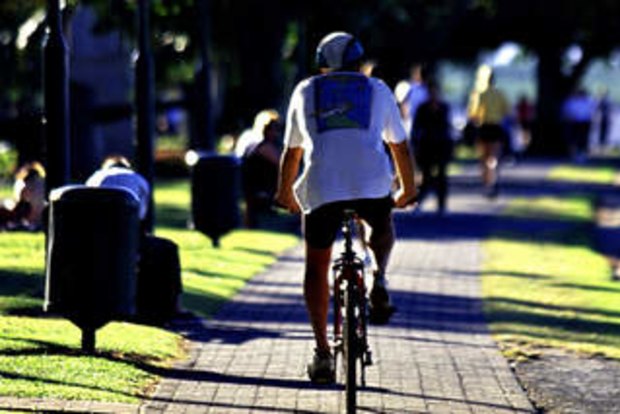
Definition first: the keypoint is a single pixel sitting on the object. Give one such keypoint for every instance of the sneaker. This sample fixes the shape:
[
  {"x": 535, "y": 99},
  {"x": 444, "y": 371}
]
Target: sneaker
[
  {"x": 492, "y": 191},
  {"x": 379, "y": 297},
  {"x": 322, "y": 369}
]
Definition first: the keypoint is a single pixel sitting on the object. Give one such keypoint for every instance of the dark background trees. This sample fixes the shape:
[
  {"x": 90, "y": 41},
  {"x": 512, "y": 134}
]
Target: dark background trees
[
  {"x": 258, "y": 49},
  {"x": 548, "y": 28}
]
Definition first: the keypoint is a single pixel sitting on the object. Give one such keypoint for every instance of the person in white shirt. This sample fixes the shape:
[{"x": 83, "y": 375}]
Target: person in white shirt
[
  {"x": 116, "y": 172},
  {"x": 410, "y": 94},
  {"x": 339, "y": 123}
]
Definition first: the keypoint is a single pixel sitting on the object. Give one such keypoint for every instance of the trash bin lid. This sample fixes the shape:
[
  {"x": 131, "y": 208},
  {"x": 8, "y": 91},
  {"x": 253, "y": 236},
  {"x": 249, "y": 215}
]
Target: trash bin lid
[{"x": 79, "y": 191}]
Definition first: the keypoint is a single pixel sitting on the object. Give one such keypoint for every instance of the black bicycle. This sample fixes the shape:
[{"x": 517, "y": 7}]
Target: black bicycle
[{"x": 350, "y": 314}]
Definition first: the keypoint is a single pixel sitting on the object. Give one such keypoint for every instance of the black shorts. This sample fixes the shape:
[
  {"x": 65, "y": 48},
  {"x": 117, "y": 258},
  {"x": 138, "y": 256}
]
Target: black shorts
[
  {"x": 321, "y": 226},
  {"x": 492, "y": 133}
]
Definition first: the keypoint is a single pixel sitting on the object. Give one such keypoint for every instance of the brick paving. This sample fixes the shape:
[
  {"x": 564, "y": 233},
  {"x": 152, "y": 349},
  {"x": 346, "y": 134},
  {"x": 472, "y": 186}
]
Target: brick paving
[{"x": 436, "y": 356}]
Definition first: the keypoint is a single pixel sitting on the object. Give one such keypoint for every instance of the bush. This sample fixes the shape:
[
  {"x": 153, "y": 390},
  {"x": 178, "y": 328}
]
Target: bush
[{"x": 8, "y": 160}]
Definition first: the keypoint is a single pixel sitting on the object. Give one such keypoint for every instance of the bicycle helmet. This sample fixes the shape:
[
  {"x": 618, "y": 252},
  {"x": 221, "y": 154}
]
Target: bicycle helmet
[{"x": 338, "y": 50}]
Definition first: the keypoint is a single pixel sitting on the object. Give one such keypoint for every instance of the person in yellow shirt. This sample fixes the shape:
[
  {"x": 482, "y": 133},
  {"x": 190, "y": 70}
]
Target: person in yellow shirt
[{"x": 488, "y": 109}]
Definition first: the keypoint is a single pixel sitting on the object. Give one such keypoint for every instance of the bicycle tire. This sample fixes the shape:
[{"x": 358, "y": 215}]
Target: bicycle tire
[{"x": 350, "y": 348}]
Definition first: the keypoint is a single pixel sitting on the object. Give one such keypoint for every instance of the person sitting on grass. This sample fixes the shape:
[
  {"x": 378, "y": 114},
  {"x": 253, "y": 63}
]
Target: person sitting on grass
[
  {"x": 25, "y": 210},
  {"x": 116, "y": 171},
  {"x": 259, "y": 168}
]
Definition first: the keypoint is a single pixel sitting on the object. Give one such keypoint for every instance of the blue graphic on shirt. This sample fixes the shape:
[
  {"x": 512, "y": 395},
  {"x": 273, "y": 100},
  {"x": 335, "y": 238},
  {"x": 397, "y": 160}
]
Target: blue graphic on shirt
[{"x": 342, "y": 101}]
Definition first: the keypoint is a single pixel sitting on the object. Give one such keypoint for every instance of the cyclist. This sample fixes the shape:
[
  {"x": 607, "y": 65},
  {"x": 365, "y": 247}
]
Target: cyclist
[{"x": 339, "y": 122}]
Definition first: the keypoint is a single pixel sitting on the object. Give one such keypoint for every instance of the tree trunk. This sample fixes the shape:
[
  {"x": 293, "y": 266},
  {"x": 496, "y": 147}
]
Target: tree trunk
[
  {"x": 548, "y": 138},
  {"x": 264, "y": 26}
]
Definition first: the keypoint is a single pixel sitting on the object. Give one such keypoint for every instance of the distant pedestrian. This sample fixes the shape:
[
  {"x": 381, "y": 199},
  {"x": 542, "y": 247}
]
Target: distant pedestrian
[
  {"x": 578, "y": 111},
  {"x": 489, "y": 113},
  {"x": 410, "y": 95},
  {"x": 433, "y": 145},
  {"x": 603, "y": 109},
  {"x": 25, "y": 210},
  {"x": 116, "y": 171},
  {"x": 260, "y": 161},
  {"x": 368, "y": 67},
  {"x": 525, "y": 119},
  {"x": 472, "y": 126}
]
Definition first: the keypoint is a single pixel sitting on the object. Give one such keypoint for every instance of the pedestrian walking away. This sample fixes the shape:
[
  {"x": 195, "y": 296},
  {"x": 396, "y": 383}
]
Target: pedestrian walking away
[
  {"x": 433, "y": 144},
  {"x": 338, "y": 121},
  {"x": 489, "y": 111},
  {"x": 577, "y": 112}
]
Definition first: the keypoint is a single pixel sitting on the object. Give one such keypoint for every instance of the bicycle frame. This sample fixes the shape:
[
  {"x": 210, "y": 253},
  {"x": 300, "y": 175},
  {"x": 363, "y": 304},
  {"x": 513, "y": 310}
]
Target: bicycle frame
[{"x": 348, "y": 271}]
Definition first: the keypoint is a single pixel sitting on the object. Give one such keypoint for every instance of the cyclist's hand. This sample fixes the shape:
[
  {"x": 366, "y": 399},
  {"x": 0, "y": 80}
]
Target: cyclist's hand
[
  {"x": 403, "y": 199},
  {"x": 287, "y": 202}
]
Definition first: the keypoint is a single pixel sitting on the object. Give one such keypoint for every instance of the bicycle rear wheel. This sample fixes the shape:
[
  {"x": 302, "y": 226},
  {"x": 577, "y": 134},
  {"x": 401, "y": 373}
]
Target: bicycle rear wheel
[{"x": 350, "y": 343}]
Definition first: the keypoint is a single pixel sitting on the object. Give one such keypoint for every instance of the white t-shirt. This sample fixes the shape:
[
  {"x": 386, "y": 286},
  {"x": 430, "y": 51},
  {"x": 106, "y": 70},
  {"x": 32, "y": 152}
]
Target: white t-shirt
[
  {"x": 248, "y": 138},
  {"x": 118, "y": 177},
  {"x": 418, "y": 94},
  {"x": 344, "y": 153}
]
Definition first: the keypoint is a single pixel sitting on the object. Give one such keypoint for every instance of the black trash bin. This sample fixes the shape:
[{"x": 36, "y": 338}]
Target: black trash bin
[
  {"x": 215, "y": 195},
  {"x": 92, "y": 252}
]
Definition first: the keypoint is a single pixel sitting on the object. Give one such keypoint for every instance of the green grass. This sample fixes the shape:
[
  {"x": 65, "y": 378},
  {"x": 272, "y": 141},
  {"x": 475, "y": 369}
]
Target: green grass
[
  {"x": 583, "y": 174},
  {"x": 172, "y": 142},
  {"x": 577, "y": 208},
  {"x": 6, "y": 191},
  {"x": 551, "y": 289},
  {"x": 210, "y": 275},
  {"x": 464, "y": 152},
  {"x": 8, "y": 160},
  {"x": 40, "y": 356}
]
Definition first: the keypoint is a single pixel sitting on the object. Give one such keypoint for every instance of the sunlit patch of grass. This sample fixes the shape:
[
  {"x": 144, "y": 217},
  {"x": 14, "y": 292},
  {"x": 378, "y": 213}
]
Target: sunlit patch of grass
[
  {"x": 553, "y": 292},
  {"x": 454, "y": 169},
  {"x": 40, "y": 357},
  {"x": 212, "y": 275},
  {"x": 583, "y": 174},
  {"x": 465, "y": 153},
  {"x": 576, "y": 208}
]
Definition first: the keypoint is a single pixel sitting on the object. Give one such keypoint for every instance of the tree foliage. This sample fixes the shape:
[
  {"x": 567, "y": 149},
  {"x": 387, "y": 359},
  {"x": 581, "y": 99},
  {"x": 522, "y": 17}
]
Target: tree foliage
[
  {"x": 258, "y": 48},
  {"x": 548, "y": 28},
  {"x": 15, "y": 64}
]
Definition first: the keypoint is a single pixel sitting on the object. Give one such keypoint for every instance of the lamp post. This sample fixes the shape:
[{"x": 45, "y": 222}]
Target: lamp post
[
  {"x": 56, "y": 99},
  {"x": 203, "y": 112},
  {"x": 145, "y": 105}
]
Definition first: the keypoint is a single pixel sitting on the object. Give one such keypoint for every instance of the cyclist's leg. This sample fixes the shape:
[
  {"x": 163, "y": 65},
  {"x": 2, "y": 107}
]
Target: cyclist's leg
[
  {"x": 316, "y": 292},
  {"x": 377, "y": 213},
  {"x": 320, "y": 227}
]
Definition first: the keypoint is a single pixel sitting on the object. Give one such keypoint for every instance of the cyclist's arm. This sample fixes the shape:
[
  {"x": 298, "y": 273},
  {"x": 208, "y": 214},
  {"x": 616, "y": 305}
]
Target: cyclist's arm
[
  {"x": 404, "y": 164},
  {"x": 289, "y": 168}
]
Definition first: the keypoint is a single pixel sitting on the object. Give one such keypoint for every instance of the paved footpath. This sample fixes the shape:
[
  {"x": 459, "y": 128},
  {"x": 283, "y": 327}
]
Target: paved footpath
[{"x": 436, "y": 356}]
